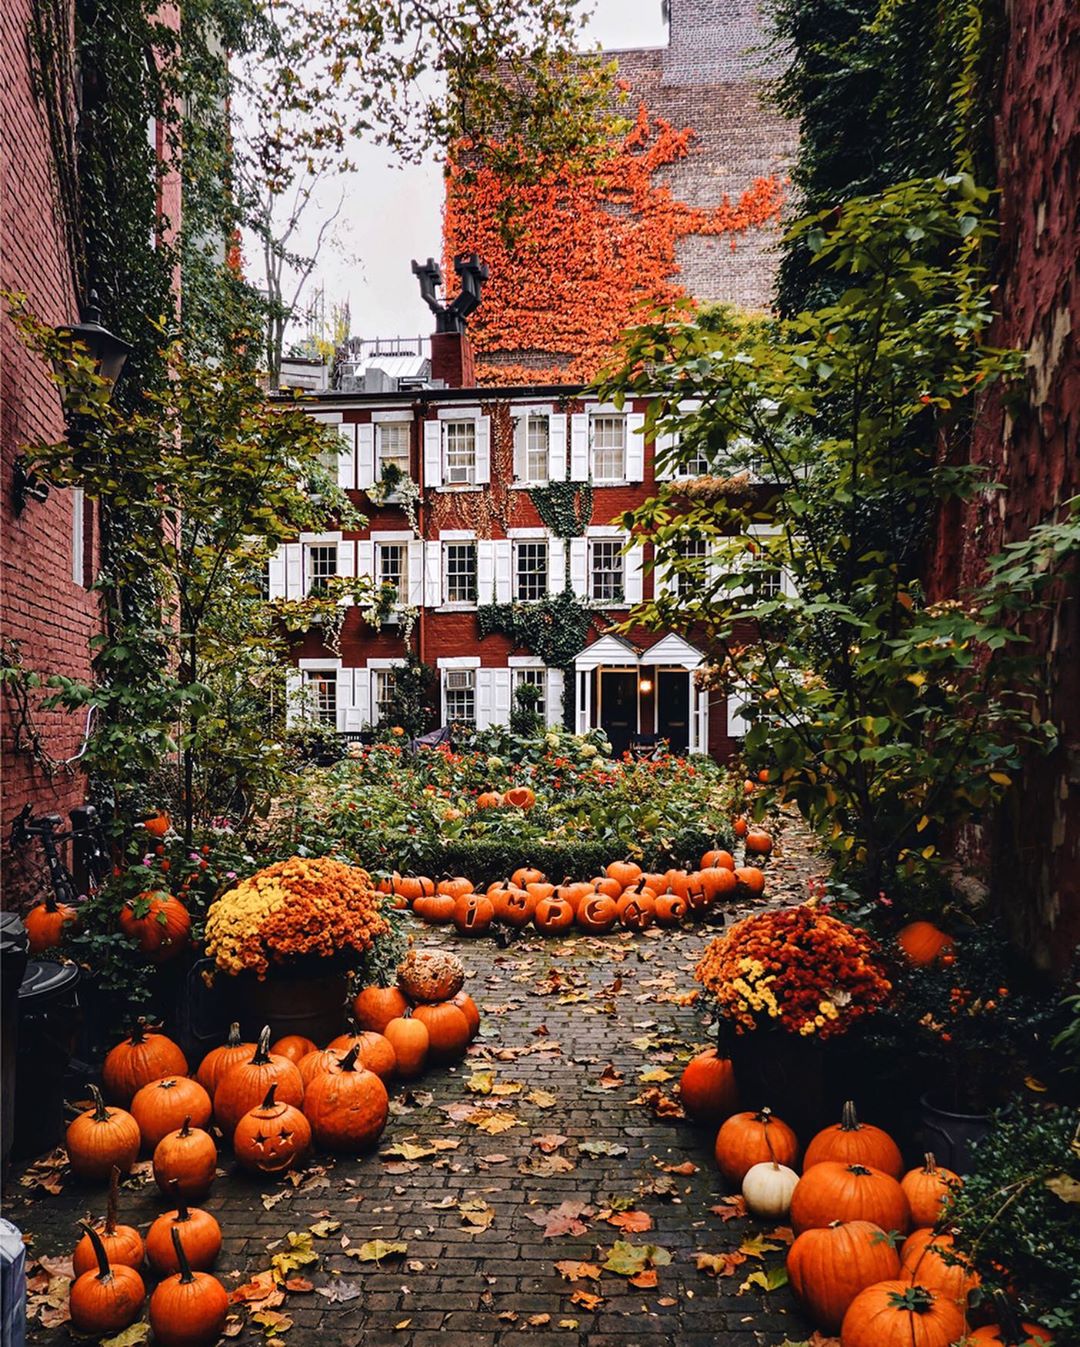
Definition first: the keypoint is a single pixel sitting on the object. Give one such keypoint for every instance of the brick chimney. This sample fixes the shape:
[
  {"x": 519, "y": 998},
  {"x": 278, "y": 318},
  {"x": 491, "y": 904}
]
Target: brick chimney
[{"x": 451, "y": 351}]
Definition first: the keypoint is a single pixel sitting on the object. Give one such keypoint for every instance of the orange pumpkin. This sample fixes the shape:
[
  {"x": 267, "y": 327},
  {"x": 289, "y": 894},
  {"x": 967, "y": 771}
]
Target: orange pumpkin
[
  {"x": 188, "y": 1158},
  {"x": 852, "y": 1142},
  {"x": 315, "y": 1063},
  {"x": 636, "y": 911},
  {"x": 218, "y": 1060},
  {"x": 488, "y": 799},
  {"x": 830, "y": 1191},
  {"x": 895, "y": 1314},
  {"x": 922, "y": 943},
  {"x": 539, "y": 888},
  {"x": 271, "y": 1137},
  {"x": 436, "y": 908},
  {"x": 605, "y": 884},
  {"x": 624, "y": 873},
  {"x": 724, "y": 859},
  {"x": 707, "y": 1087},
  {"x": 751, "y": 881},
  {"x": 997, "y": 1335},
  {"x": 46, "y": 922},
  {"x": 448, "y": 1030},
  {"x": 698, "y": 899},
  {"x": 521, "y": 797},
  {"x": 456, "y": 886},
  {"x": 158, "y": 824},
  {"x": 553, "y": 915},
  {"x": 748, "y": 1139},
  {"x": 828, "y": 1267},
  {"x": 468, "y": 1008},
  {"x": 107, "y": 1298},
  {"x": 740, "y": 827},
  {"x": 670, "y": 909},
  {"x": 144, "y": 1056},
  {"x": 200, "y": 1230},
  {"x": 293, "y": 1046},
  {"x": 161, "y": 1107},
  {"x": 597, "y": 914},
  {"x": 758, "y": 842},
  {"x": 101, "y": 1139},
  {"x": 517, "y": 908},
  {"x": 123, "y": 1243},
  {"x": 932, "y": 1260},
  {"x": 244, "y": 1085},
  {"x": 718, "y": 882},
  {"x": 929, "y": 1190},
  {"x": 527, "y": 874},
  {"x": 575, "y": 893},
  {"x": 411, "y": 1041},
  {"x": 190, "y": 1308},
  {"x": 347, "y": 1105},
  {"x": 375, "y": 1007},
  {"x": 158, "y": 923},
  {"x": 374, "y": 1052},
  {"x": 473, "y": 914}
]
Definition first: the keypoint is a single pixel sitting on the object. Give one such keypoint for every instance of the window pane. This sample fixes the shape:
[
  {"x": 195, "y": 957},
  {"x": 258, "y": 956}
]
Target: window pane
[
  {"x": 461, "y": 451},
  {"x": 322, "y": 695},
  {"x": 606, "y": 571},
  {"x": 390, "y": 562},
  {"x": 461, "y": 697},
  {"x": 383, "y": 690},
  {"x": 538, "y": 447},
  {"x": 536, "y": 678},
  {"x": 392, "y": 438},
  {"x": 609, "y": 448},
  {"x": 322, "y": 564},
  {"x": 532, "y": 571},
  {"x": 461, "y": 572},
  {"x": 692, "y": 552}
]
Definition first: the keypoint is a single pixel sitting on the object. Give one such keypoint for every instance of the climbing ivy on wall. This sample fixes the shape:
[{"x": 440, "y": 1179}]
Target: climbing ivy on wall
[
  {"x": 555, "y": 628},
  {"x": 565, "y": 507},
  {"x": 590, "y": 246}
]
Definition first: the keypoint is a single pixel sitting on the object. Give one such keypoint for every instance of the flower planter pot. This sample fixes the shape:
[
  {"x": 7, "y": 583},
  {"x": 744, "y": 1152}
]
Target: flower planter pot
[
  {"x": 950, "y": 1134},
  {"x": 311, "y": 1004},
  {"x": 785, "y": 1073}
]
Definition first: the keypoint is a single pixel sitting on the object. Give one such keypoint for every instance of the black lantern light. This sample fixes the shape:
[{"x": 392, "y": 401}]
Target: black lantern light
[{"x": 109, "y": 355}]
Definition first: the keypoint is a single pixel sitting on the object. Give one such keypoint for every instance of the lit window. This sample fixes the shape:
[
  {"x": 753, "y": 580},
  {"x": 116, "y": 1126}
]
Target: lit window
[
  {"x": 460, "y": 452},
  {"x": 606, "y": 571},
  {"x": 531, "y": 571},
  {"x": 536, "y": 678},
  {"x": 321, "y": 566},
  {"x": 460, "y": 572},
  {"x": 609, "y": 448},
  {"x": 390, "y": 565},
  {"x": 537, "y": 449},
  {"x": 321, "y": 686},
  {"x": 459, "y": 693},
  {"x": 392, "y": 446},
  {"x": 383, "y": 693},
  {"x": 689, "y": 574}
]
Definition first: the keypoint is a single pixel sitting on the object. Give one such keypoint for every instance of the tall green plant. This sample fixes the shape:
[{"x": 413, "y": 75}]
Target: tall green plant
[{"x": 887, "y": 718}]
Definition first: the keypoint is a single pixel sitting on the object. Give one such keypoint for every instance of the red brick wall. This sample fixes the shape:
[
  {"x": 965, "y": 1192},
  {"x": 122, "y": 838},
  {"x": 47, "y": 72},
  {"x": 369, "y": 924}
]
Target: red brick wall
[
  {"x": 42, "y": 607},
  {"x": 1033, "y": 860}
]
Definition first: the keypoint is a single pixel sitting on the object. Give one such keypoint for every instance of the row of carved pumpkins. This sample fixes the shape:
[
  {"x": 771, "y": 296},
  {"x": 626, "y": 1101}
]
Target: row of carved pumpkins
[
  {"x": 853, "y": 1198},
  {"x": 624, "y": 896}
]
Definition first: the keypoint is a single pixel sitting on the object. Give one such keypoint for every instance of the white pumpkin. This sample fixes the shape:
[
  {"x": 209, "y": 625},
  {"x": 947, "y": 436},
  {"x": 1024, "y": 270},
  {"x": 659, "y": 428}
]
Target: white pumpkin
[{"x": 767, "y": 1190}]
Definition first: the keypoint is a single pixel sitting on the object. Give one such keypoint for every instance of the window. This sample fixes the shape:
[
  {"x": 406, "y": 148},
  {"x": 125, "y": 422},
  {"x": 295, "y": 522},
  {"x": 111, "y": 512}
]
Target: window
[
  {"x": 392, "y": 446},
  {"x": 459, "y": 690},
  {"x": 321, "y": 688},
  {"x": 609, "y": 448},
  {"x": 460, "y": 572},
  {"x": 699, "y": 465},
  {"x": 78, "y": 535},
  {"x": 536, "y": 678},
  {"x": 382, "y": 695},
  {"x": 606, "y": 571},
  {"x": 692, "y": 552},
  {"x": 460, "y": 452},
  {"x": 537, "y": 449},
  {"x": 391, "y": 560},
  {"x": 766, "y": 580},
  {"x": 531, "y": 571},
  {"x": 330, "y": 454},
  {"x": 321, "y": 566}
]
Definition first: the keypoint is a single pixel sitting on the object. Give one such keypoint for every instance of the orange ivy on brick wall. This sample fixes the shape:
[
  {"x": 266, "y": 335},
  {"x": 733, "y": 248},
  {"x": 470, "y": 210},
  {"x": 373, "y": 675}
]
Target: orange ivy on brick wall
[{"x": 594, "y": 246}]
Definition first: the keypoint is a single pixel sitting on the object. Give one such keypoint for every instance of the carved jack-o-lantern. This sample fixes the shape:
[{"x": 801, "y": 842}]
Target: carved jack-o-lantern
[
  {"x": 517, "y": 908},
  {"x": 272, "y": 1137}
]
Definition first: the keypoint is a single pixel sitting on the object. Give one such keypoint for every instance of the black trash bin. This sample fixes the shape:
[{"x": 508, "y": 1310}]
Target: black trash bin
[
  {"x": 48, "y": 1024},
  {"x": 14, "y": 945}
]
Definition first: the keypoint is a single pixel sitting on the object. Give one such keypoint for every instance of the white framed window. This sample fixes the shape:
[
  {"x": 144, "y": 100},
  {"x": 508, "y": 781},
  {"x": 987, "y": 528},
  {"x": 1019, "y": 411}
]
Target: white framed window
[
  {"x": 699, "y": 465},
  {"x": 536, "y": 678},
  {"x": 766, "y": 579},
  {"x": 459, "y": 440},
  {"x": 606, "y": 570},
  {"x": 537, "y": 447},
  {"x": 392, "y": 446},
  {"x": 382, "y": 691},
  {"x": 459, "y": 696},
  {"x": 392, "y": 567},
  {"x": 530, "y": 571},
  {"x": 459, "y": 572},
  {"x": 322, "y": 564},
  {"x": 321, "y": 688},
  {"x": 692, "y": 551},
  {"x": 608, "y": 434}
]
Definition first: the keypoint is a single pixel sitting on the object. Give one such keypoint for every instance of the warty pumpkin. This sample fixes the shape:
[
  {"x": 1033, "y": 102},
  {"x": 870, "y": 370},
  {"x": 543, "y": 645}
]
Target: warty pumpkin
[
  {"x": 430, "y": 975},
  {"x": 188, "y": 1309},
  {"x": 201, "y": 1234},
  {"x": 218, "y": 1060},
  {"x": 145, "y": 1055},
  {"x": 894, "y": 1314},
  {"x": 707, "y": 1088},
  {"x": 122, "y": 1243},
  {"x": 187, "y": 1157},
  {"x": 100, "y": 1139},
  {"x": 830, "y": 1191},
  {"x": 928, "y": 1190},
  {"x": 106, "y": 1299},
  {"x": 347, "y": 1105},
  {"x": 828, "y": 1267},
  {"x": 747, "y": 1139},
  {"x": 161, "y": 1107},
  {"x": 851, "y": 1142},
  {"x": 271, "y": 1137}
]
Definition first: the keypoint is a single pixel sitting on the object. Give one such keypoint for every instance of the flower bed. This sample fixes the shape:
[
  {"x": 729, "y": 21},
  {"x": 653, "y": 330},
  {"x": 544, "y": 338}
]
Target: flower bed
[{"x": 439, "y": 812}]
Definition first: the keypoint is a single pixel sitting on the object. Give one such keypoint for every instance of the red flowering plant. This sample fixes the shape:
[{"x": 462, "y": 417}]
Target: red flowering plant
[{"x": 796, "y": 969}]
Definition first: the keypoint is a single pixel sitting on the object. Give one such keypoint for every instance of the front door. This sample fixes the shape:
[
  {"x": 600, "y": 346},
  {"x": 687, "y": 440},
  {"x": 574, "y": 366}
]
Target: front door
[
  {"x": 618, "y": 708},
  {"x": 673, "y": 708}
]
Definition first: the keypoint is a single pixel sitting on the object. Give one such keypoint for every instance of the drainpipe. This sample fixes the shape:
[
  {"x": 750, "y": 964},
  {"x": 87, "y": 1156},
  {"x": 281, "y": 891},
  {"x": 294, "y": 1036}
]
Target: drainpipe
[{"x": 418, "y": 441}]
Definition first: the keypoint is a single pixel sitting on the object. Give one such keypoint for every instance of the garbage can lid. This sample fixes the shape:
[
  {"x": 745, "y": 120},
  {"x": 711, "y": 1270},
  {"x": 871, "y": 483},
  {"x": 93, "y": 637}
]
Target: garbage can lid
[
  {"x": 14, "y": 941},
  {"x": 46, "y": 981}
]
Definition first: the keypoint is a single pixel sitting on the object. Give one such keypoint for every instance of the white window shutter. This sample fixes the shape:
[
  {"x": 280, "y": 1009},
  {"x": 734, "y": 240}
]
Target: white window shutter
[
  {"x": 504, "y": 573},
  {"x": 365, "y": 456},
  {"x": 361, "y": 707},
  {"x": 485, "y": 571},
  {"x": 365, "y": 558},
  {"x": 346, "y": 557},
  {"x": 416, "y": 573},
  {"x": 663, "y": 446},
  {"x": 635, "y": 447},
  {"x": 433, "y": 453},
  {"x": 632, "y": 575},
  {"x": 579, "y": 447},
  {"x": 521, "y": 455},
  {"x": 579, "y": 567},
  {"x": 344, "y": 695},
  {"x": 556, "y": 684},
  {"x": 557, "y": 447},
  {"x": 294, "y": 697},
  {"x": 294, "y": 571},
  {"x": 556, "y": 565},
  {"x": 277, "y": 573},
  {"x": 500, "y": 711},
  {"x": 483, "y": 449},
  {"x": 432, "y": 574},
  {"x": 485, "y": 697}
]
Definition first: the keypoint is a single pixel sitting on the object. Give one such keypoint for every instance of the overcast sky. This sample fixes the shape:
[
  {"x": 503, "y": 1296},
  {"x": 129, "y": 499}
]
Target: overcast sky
[{"x": 392, "y": 215}]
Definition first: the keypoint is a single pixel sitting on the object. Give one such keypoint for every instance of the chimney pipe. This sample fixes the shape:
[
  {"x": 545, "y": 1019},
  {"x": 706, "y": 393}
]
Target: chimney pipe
[{"x": 451, "y": 351}]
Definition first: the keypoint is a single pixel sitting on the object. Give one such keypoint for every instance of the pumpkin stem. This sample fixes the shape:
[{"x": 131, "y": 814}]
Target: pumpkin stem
[
  {"x": 50, "y": 902},
  {"x": 138, "y": 1031},
  {"x": 182, "y": 1213},
  {"x": 101, "y": 1113},
  {"x": 262, "y": 1048},
  {"x": 110, "y": 1207},
  {"x": 348, "y": 1062},
  {"x": 848, "y": 1120},
  {"x": 104, "y": 1273},
  {"x": 857, "y": 1169},
  {"x": 233, "y": 1040},
  {"x": 929, "y": 1163},
  {"x": 186, "y": 1275},
  {"x": 185, "y": 1129},
  {"x": 268, "y": 1102}
]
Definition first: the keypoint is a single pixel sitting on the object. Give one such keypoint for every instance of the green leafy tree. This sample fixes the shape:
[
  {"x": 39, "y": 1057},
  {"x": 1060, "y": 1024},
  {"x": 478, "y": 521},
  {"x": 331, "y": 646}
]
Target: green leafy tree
[{"x": 886, "y": 717}]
